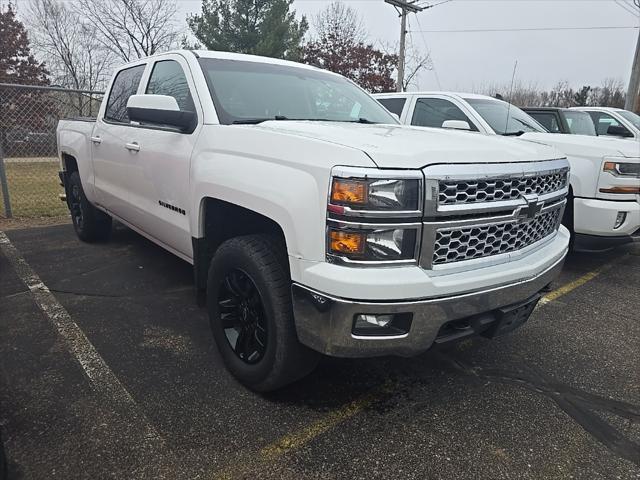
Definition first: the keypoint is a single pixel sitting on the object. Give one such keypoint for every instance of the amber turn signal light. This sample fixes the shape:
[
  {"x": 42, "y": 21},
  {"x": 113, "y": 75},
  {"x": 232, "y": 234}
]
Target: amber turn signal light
[
  {"x": 347, "y": 242},
  {"x": 620, "y": 190},
  {"x": 349, "y": 191}
]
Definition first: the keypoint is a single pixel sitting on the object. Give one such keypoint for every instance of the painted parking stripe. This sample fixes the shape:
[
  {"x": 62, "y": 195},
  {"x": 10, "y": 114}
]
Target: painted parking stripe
[
  {"x": 569, "y": 287},
  {"x": 101, "y": 377}
]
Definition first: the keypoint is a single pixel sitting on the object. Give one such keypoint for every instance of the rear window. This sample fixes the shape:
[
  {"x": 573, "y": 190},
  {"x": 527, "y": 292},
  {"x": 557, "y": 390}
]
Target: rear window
[
  {"x": 394, "y": 105},
  {"x": 580, "y": 123},
  {"x": 125, "y": 84},
  {"x": 548, "y": 120}
]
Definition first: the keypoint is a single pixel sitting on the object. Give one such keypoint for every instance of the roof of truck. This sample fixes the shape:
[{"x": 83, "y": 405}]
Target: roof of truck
[
  {"x": 546, "y": 109},
  {"x": 450, "y": 94},
  {"x": 240, "y": 57}
]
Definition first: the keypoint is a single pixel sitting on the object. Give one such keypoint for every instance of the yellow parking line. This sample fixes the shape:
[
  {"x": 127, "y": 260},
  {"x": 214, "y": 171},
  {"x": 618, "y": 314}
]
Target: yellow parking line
[
  {"x": 296, "y": 440},
  {"x": 563, "y": 290}
]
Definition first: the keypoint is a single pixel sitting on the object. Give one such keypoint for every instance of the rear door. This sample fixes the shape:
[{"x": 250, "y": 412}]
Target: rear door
[
  {"x": 113, "y": 145},
  {"x": 160, "y": 168}
]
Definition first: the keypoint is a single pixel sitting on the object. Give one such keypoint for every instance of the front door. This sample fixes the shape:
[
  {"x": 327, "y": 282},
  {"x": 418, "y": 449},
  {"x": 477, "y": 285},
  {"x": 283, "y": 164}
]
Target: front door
[{"x": 161, "y": 200}]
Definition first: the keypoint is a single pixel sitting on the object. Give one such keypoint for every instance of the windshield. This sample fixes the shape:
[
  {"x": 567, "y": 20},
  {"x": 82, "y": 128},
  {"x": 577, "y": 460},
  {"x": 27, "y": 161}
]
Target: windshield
[
  {"x": 579, "y": 123},
  {"x": 494, "y": 112},
  {"x": 251, "y": 92},
  {"x": 631, "y": 117}
]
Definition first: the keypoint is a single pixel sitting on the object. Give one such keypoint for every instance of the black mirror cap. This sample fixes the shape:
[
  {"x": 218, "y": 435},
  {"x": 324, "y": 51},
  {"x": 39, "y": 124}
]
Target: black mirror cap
[
  {"x": 619, "y": 131},
  {"x": 185, "y": 121}
]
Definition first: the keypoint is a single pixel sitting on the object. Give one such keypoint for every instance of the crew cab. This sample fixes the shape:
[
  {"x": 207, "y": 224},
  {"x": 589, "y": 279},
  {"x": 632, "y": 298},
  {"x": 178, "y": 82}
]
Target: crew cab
[
  {"x": 615, "y": 122},
  {"x": 314, "y": 221},
  {"x": 603, "y": 208},
  {"x": 563, "y": 120}
]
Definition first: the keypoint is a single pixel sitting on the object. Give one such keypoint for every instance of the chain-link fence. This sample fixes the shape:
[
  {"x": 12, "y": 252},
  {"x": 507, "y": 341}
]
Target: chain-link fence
[{"x": 28, "y": 153}]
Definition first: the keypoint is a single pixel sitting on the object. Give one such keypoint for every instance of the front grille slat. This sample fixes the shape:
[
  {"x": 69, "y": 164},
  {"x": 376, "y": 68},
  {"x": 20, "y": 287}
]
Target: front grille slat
[
  {"x": 452, "y": 192},
  {"x": 466, "y": 243}
]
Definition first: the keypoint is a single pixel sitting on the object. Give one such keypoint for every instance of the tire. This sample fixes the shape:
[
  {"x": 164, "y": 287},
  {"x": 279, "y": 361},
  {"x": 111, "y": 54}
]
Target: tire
[
  {"x": 90, "y": 224},
  {"x": 567, "y": 218},
  {"x": 249, "y": 293}
]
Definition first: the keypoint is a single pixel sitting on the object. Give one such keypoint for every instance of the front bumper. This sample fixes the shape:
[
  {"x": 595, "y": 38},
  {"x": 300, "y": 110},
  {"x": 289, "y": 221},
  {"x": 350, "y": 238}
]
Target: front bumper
[
  {"x": 325, "y": 323},
  {"x": 598, "y": 217}
]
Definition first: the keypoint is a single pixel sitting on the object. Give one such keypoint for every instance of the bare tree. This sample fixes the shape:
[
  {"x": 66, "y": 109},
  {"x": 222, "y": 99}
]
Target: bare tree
[
  {"x": 69, "y": 47},
  {"x": 415, "y": 62},
  {"x": 132, "y": 29},
  {"x": 339, "y": 21},
  {"x": 75, "y": 57}
]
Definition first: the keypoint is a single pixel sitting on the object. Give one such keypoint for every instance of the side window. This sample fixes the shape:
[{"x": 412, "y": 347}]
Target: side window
[
  {"x": 167, "y": 78},
  {"x": 125, "y": 84},
  {"x": 394, "y": 105},
  {"x": 433, "y": 112},
  {"x": 603, "y": 121},
  {"x": 548, "y": 120}
]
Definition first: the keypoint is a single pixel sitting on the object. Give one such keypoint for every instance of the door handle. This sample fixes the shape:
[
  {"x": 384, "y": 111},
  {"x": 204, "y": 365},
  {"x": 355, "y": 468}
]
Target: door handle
[
  {"x": 96, "y": 140},
  {"x": 133, "y": 146}
]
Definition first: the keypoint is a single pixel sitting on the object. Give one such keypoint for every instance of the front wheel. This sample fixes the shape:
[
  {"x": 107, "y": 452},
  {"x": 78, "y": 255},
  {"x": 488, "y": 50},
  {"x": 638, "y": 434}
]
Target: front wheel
[
  {"x": 251, "y": 314},
  {"x": 90, "y": 224}
]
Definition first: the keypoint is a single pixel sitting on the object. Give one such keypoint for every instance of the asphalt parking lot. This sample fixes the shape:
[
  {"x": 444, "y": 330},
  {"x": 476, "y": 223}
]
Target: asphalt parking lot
[{"x": 108, "y": 370}]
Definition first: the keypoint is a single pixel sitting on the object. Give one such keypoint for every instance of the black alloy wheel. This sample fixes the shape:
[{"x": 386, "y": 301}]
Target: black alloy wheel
[
  {"x": 243, "y": 316},
  {"x": 75, "y": 206}
]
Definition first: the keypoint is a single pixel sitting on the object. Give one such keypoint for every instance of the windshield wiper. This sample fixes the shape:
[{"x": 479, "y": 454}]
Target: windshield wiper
[
  {"x": 513, "y": 134},
  {"x": 364, "y": 120},
  {"x": 255, "y": 121}
]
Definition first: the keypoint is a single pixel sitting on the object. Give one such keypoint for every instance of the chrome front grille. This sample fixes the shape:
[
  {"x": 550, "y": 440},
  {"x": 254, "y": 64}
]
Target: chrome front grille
[
  {"x": 466, "y": 243},
  {"x": 476, "y": 212},
  {"x": 453, "y": 192}
]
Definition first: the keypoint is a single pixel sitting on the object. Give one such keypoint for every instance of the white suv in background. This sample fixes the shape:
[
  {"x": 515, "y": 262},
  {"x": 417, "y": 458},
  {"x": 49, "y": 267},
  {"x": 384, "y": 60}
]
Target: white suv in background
[
  {"x": 614, "y": 122},
  {"x": 603, "y": 210}
]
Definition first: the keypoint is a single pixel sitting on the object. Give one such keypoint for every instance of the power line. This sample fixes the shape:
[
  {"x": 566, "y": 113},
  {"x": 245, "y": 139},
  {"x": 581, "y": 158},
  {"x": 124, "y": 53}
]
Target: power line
[
  {"x": 426, "y": 46},
  {"x": 535, "y": 29}
]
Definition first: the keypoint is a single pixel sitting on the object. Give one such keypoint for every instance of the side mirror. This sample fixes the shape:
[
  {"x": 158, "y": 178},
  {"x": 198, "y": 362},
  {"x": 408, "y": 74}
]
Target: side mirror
[
  {"x": 618, "y": 131},
  {"x": 160, "y": 110},
  {"x": 396, "y": 116},
  {"x": 456, "y": 125}
]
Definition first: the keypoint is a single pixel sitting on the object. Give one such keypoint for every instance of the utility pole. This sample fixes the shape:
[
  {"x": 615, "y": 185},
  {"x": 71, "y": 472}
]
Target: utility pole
[
  {"x": 633, "y": 93},
  {"x": 403, "y": 8}
]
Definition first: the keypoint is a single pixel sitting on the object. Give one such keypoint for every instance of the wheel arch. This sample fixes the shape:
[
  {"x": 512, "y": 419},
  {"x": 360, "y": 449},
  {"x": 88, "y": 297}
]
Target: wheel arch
[{"x": 219, "y": 221}]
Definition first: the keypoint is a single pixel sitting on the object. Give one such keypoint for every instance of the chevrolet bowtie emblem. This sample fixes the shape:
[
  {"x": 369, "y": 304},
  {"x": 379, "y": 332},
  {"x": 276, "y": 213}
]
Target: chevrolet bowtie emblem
[{"x": 533, "y": 206}]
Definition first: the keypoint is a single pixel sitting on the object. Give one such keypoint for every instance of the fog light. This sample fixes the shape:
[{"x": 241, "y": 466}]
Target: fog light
[
  {"x": 373, "y": 325},
  {"x": 375, "y": 320},
  {"x": 620, "y": 218}
]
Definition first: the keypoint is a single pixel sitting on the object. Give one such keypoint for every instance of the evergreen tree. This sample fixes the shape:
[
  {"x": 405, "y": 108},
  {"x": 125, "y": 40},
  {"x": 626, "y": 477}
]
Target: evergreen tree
[
  {"x": 259, "y": 27},
  {"x": 17, "y": 64}
]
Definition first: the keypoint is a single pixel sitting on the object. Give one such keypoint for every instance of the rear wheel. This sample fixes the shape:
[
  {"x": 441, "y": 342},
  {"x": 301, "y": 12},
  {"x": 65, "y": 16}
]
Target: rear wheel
[
  {"x": 90, "y": 224},
  {"x": 249, "y": 303}
]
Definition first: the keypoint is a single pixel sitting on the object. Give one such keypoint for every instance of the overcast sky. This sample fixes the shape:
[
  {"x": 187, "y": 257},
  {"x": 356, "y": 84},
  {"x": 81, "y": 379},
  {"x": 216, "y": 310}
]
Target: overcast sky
[
  {"x": 467, "y": 60},
  {"x": 472, "y": 60}
]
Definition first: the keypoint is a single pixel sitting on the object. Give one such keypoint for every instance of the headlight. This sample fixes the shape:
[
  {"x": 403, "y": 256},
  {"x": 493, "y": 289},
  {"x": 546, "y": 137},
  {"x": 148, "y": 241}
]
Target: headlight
[
  {"x": 375, "y": 194},
  {"x": 374, "y": 217},
  {"x": 371, "y": 244},
  {"x": 622, "y": 169}
]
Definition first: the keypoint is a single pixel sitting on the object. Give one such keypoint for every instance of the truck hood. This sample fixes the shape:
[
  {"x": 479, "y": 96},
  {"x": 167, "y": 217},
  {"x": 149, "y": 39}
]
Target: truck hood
[
  {"x": 583, "y": 145},
  {"x": 399, "y": 146}
]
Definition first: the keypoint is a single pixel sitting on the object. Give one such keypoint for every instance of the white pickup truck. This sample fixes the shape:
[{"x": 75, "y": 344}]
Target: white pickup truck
[
  {"x": 314, "y": 221},
  {"x": 615, "y": 122},
  {"x": 603, "y": 208}
]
